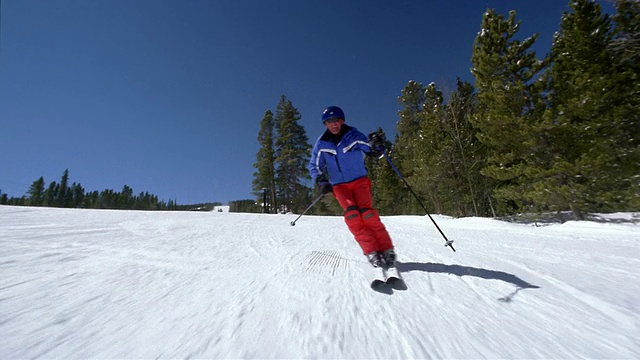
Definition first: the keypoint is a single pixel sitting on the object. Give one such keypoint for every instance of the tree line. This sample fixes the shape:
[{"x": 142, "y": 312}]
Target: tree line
[
  {"x": 61, "y": 194},
  {"x": 557, "y": 133}
]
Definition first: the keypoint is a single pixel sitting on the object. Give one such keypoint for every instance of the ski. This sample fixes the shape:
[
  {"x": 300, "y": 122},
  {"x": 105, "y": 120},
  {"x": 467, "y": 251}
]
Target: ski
[
  {"x": 379, "y": 282},
  {"x": 393, "y": 278}
]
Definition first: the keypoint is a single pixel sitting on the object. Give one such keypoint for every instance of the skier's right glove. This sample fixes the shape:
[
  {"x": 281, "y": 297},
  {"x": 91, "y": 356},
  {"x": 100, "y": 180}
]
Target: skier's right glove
[{"x": 323, "y": 185}]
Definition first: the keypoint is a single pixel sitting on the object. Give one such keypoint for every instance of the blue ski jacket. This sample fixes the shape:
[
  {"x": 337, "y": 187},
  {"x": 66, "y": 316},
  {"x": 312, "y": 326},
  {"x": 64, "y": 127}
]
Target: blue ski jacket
[{"x": 340, "y": 159}]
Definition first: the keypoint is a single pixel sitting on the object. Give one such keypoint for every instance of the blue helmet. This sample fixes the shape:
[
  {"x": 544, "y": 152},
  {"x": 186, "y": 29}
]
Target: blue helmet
[{"x": 332, "y": 112}]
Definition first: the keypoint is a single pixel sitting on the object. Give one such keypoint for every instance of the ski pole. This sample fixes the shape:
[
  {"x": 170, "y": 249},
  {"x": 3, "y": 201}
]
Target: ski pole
[
  {"x": 293, "y": 223},
  {"x": 448, "y": 242}
]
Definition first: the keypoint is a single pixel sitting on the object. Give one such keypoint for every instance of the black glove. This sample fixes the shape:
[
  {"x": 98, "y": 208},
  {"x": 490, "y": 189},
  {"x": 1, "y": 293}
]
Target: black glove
[
  {"x": 376, "y": 141},
  {"x": 323, "y": 185}
]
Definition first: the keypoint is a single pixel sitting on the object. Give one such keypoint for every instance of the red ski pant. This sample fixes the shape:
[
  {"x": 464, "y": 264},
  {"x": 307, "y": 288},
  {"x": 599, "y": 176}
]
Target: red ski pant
[{"x": 362, "y": 220}]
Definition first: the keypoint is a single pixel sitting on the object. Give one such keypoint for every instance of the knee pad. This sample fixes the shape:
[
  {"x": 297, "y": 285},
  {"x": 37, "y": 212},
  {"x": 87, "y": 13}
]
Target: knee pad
[
  {"x": 351, "y": 213},
  {"x": 368, "y": 213}
]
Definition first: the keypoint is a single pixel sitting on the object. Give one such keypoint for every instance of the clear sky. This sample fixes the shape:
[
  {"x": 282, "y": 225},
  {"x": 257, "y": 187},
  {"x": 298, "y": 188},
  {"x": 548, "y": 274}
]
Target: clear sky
[{"x": 167, "y": 96}]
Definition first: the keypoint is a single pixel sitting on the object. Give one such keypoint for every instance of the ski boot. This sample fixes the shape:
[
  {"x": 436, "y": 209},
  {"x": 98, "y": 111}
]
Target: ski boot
[
  {"x": 388, "y": 258},
  {"x": 391, "y": 273},
  {"x": 374, "y": 259}
]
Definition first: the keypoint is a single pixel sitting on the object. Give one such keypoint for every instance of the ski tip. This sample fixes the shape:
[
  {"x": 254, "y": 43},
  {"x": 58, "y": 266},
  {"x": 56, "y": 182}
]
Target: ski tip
[
  {"x": 396, "y": 283},
  {"x": 381, "y": 287}
]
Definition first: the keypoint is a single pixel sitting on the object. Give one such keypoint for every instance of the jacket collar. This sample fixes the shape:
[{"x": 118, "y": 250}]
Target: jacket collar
[{"x": 328, "y": 136}]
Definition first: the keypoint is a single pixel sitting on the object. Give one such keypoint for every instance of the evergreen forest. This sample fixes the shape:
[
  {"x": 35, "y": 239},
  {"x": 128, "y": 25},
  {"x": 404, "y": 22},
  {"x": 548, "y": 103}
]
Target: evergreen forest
[
  {"x": 531, "y": 135},
  {"x": 73, "y": 195}
]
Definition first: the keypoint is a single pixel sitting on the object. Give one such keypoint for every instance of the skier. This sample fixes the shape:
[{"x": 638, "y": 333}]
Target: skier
[{"x": 337, "y": 165}]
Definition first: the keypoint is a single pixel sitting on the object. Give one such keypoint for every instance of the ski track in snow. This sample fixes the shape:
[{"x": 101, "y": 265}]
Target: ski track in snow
[{"x": 115, "y": 284}]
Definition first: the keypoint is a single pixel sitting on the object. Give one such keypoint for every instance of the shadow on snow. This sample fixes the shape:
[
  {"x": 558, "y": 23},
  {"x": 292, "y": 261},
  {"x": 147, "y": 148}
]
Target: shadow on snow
[{"x": 461, "y": 271}]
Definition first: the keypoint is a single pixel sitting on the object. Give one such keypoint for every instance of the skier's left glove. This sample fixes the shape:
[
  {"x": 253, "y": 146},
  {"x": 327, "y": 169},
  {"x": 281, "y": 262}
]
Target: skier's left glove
[{"x": 376, "y": 141}]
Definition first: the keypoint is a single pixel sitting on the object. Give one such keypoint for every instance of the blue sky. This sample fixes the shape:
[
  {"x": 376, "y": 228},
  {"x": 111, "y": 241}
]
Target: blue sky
[{"x": 167, "y": 96}]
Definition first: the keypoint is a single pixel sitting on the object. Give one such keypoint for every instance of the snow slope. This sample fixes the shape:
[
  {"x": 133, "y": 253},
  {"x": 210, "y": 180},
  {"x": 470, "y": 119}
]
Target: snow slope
[{"x": 116, "y": 284}]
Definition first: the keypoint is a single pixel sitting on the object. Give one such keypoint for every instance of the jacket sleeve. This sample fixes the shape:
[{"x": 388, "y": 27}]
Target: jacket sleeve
[
  {"x": 362, "y": 142},
  {"x": 315, "y": 163}
]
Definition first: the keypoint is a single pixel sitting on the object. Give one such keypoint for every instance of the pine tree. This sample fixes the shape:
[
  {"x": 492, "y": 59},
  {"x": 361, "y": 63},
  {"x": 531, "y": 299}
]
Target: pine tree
[
  {"x": 62, "y": 193},
  {"x": 265, "y": 176},
  {"x": 292, "y": 156},
  {"x": 446, "y": 157},
  {"x": 92, "y": 200},
  {"x": 77, "y": 195},
  {"x": 463, "y": 156},
  {"x": 505, "y": 69},
  {"x": 625, "y": 47},
  {"x": 594, "y": 134},
  {"x": 406, "y": 153},
  {"x": 428, "y": 179},
  {"x": 51, "y": 194},
  {"x": 626, "y": 42},
  {"x": 108, "y": 199},
  {"x": 126, "y": 197},
  {"x": 409, "y": 124},
  {"x": 36, "y": 192}
]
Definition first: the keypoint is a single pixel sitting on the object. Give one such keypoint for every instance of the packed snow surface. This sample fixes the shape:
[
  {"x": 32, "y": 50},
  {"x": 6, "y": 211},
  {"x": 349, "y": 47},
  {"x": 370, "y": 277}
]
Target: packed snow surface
[{"x": 127, "y": 284}]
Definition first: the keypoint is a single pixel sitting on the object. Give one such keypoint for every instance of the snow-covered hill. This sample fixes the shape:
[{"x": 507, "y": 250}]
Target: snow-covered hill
[{"x": 116, "y": 284}]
